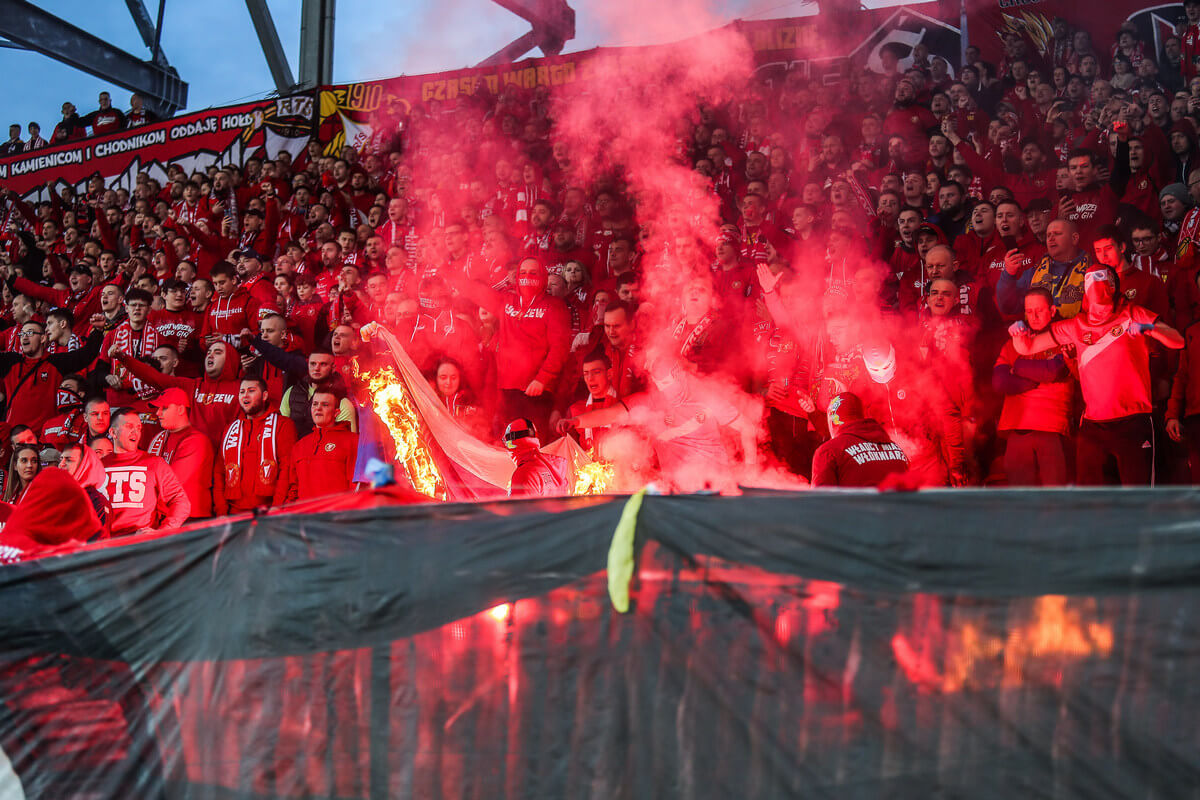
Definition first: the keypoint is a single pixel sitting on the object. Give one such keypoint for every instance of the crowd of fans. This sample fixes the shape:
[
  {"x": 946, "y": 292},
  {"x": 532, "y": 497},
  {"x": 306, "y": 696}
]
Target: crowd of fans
[
  {"x": 104, "y": 120},
  {"x": 987, "y": 279}
]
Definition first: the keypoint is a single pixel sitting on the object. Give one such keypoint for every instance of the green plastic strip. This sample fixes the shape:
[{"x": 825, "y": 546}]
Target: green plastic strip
[{"x": 620, "y": 554}]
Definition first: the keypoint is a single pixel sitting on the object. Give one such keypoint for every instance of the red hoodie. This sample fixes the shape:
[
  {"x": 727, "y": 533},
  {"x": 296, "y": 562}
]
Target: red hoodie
[
  {"x": 144, "y": 493},
  {"x": 323, "y": 462},
  {"x": 861, "y": 454},
  {"x": 54, "y": 511},
  {"x": 538, "y": 474},
  {"x": 534, "y": 339},
  {"x": 982, "y": 258},
  {"x": 190, "y": 456},
  {"x": 214, "y": 399},
  {"x": 228, "y": 316}
]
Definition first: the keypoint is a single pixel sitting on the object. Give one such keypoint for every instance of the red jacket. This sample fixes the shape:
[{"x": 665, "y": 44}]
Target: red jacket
[
  {"x": 190, "y": 456},
  {"x": 138, "y": 344},
  {"x": 144, "y": 493},
  {"x": 323, "y": 463},
  {"x": 262, "y": 289},
  {"x": 980, "y": 256},
  {"x": 1037, "y": 389},
  {"x": 30, "y": 385},
  {"x": 534, "y": 338},
  {"x": 1142, "y": 288},
  {"x": 860, "y": 455},
  {"x": 262, "y": 475},
  {"x": 64, "y": 429},
  {"x": 538, "y": 475}
]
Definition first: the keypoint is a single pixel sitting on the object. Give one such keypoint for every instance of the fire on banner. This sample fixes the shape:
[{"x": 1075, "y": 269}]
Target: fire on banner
[{"x": 983, "y": 644}]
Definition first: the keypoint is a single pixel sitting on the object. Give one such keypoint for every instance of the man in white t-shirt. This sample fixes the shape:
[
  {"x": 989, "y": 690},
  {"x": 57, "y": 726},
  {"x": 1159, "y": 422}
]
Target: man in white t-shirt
[{"x": 1114, "y": 374}]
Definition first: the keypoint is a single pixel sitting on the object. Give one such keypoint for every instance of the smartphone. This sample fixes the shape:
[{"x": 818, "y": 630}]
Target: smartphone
[{"x": 1010, "y": 242}]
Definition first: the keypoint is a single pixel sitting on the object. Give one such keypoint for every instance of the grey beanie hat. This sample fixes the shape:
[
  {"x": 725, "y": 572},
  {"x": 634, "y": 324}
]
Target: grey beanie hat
[{"x": 1178, "y": 191}]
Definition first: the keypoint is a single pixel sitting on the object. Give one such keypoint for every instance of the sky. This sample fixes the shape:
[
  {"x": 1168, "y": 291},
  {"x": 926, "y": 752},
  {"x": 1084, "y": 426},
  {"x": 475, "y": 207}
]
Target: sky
[{"x": 213, "y": 45}]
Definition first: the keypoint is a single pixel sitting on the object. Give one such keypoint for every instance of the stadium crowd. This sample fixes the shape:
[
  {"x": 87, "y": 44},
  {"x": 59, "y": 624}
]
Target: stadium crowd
[{"x": 984, "y": 273}]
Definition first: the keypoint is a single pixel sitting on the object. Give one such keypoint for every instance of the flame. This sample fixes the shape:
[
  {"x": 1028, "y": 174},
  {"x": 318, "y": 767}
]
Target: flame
[
  {"x": 500, "y": 613},
  {"x": 594, "y": 477},
  {"x": 1058, "y": 632},
  {"x": 1035, "y": 27},
  {"x": 396, "y": 410}
]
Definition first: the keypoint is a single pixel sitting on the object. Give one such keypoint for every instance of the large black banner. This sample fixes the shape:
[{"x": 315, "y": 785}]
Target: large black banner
[{"x": 941, "y": 644}]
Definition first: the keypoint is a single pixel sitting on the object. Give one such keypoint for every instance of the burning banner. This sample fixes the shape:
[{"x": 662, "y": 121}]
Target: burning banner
[{"x": 443, "y": 460}]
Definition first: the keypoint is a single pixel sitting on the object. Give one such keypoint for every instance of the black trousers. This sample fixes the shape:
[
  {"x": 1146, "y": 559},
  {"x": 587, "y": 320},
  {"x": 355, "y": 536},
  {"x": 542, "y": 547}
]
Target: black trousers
[{"x": 1127, "y": 442}]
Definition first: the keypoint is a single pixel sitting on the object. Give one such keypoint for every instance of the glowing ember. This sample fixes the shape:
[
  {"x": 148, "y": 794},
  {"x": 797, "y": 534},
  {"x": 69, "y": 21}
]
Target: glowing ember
[
  {"x": 593, "y": 477},
  {"x": 396, "y": 410}
]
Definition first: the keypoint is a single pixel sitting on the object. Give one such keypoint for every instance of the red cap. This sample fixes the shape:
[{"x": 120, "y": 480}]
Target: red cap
[{"x": 171, "y": 396}]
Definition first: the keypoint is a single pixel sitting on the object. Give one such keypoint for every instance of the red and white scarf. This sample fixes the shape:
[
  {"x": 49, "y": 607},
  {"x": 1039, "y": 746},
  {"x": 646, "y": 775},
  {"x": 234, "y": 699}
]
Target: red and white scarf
[
  {"x": 157, "y": 444},
  {"x": 268, "y": 463},
  {"x": 137, "y": 344},
  {"x": 696, "y": 338}
]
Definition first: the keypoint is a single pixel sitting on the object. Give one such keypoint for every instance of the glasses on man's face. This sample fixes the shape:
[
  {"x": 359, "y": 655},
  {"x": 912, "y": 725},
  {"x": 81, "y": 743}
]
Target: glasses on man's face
[
  {"x": 29, "y": 334},
  {"x": 1143, "y": 239}
]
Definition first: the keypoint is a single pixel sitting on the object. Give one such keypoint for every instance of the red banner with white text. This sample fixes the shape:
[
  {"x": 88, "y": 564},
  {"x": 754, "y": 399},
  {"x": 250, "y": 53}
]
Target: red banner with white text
[{"x": 220, "y": 136}]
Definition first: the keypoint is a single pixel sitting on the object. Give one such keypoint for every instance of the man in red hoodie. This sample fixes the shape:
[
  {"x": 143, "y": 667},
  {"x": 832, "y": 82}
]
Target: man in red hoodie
[
  {"x": 536, "y": 474},
  {"x": 323, "y": 461},
  {"x": 1035, "y": 179},
  {"x": 144, "y": 492},
  {"x": 1092, "y": 203},
  {"x": 186, "y": 450},
  {"x": 232, "y": 309},
  {"x": 214, "y": 393},
  {"x": 256, "y": 452},
  {"x": 860, "y": 452},
  {"x": 438, "y": 333},
  {"x": 256, "y": 283},
  {"x": 979, "y": 248},
  {"x": 533, "y": 341}
]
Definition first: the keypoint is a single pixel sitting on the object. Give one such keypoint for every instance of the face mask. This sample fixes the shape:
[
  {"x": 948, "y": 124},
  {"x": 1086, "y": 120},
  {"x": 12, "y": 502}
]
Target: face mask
[
  {"x": 881, "y": 366},
  {"x": 529, "y": 286},
  {"x": 65, "y": 399},
  {"x": 1098, "y": 295}
]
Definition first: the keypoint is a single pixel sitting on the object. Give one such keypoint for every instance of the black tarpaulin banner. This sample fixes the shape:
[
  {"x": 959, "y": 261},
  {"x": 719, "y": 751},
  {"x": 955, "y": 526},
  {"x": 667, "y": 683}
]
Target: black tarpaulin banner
[{"x": 845, "y": 645}]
